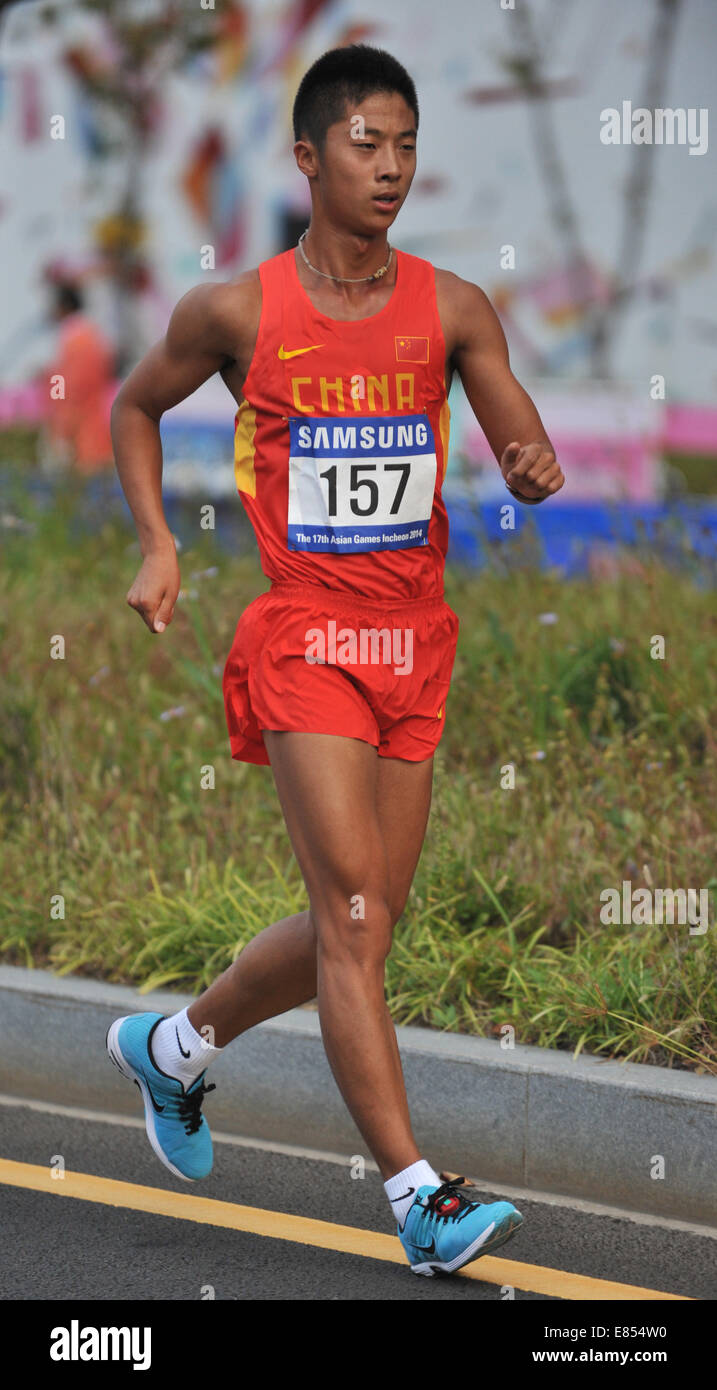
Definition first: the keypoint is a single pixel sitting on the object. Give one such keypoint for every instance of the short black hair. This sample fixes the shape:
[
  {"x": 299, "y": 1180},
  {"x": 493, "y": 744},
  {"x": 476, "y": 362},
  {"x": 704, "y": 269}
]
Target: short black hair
[
  {"x": 343, "y": 75},
  {"x": 68, "y": 296}
]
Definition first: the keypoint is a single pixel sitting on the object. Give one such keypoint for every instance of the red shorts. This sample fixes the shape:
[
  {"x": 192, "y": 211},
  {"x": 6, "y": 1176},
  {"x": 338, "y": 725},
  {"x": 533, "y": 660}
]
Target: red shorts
[{"x": 315, "y": 660}]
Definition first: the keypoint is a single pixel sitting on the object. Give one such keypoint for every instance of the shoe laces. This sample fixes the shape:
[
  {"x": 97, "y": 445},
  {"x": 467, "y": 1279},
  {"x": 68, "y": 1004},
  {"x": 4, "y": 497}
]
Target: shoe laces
[
  {"x": 190, "y": 1106},
  {"x": 446, "y": 1203}
]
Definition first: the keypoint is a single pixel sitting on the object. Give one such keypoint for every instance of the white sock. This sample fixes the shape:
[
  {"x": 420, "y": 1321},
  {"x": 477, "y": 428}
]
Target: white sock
[
  {"x": 401, "y": 1189},
  {"x": 179, "y": 1050}
]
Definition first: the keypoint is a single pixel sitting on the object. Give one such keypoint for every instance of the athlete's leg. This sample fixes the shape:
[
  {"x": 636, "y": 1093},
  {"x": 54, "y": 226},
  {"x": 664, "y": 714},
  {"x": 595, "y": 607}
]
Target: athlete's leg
[
  {"x": 328, "y": 787},
  {"x": 403, "y": 803},
  {"x": 276, "y": 970}
]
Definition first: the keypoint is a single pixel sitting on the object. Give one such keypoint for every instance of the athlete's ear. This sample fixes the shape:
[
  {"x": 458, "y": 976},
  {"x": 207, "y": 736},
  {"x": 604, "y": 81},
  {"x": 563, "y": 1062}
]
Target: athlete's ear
[{"x": 306, "y": 158}]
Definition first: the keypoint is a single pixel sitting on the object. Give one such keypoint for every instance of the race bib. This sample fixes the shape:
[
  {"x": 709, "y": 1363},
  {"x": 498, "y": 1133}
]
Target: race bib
[{"x": 361, "y": 484}]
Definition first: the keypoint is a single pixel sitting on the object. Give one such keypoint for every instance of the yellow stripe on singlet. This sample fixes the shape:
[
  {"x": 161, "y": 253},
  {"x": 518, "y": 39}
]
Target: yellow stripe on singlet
[
  {"x": 244, "y": 451},
  {"x": 444, "y": 425}
]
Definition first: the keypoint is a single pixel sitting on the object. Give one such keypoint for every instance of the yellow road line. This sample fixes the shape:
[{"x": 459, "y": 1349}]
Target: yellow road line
[{"x": 324, "y": 1235}]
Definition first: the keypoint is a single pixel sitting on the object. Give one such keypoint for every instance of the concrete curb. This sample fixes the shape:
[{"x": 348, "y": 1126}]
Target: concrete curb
[{"x": 529, "y": 1117}]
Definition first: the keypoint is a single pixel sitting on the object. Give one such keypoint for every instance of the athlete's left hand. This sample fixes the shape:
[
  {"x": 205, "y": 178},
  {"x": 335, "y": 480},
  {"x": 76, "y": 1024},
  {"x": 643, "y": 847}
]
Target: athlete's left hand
[{"x": 531, "y": 470}]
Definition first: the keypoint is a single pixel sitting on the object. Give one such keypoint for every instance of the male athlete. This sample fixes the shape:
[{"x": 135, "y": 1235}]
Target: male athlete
[{"x": 340, "y": 354}]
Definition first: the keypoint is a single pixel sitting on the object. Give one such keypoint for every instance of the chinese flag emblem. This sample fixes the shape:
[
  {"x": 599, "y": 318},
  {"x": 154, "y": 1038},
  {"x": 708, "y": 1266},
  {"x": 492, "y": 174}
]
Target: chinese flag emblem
[{"x": 411, "y": 349}]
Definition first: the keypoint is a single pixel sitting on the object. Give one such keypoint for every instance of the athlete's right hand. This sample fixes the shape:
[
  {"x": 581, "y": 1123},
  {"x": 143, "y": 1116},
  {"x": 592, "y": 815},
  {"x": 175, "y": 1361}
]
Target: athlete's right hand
[{"x": 154, "y": 592}]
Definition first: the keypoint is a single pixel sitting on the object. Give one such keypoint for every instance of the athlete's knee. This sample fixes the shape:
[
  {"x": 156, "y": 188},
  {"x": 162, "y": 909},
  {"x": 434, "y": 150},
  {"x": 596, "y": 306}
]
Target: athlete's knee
[{"x": 356, "y": 928}]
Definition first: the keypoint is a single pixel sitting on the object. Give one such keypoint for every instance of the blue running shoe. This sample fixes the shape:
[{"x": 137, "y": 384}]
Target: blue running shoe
[
  {"x": 176, "y": 1129},
  {"x": 444, "y": 1230}
]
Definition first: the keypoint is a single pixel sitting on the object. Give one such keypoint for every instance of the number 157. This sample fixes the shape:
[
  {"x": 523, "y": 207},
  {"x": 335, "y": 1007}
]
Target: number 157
[{"x": 356, "y": 482}]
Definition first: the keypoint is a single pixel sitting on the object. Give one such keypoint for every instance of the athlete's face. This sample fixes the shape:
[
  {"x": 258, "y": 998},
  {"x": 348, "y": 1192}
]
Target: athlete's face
[{"x": 368, "y": 163}]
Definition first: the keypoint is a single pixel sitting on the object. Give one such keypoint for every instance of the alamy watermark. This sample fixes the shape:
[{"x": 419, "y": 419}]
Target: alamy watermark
[
  {"x": 76, "y": 1343},
  {"x": 367, "y": 645},
  {"x": 667, "y": 125},
  {"x": 655, "y": 906}
]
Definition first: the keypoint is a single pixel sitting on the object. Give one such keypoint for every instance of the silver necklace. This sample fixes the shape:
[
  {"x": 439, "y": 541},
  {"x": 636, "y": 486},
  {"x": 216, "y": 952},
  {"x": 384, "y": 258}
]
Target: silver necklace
[{"x": 378, "y": 275}]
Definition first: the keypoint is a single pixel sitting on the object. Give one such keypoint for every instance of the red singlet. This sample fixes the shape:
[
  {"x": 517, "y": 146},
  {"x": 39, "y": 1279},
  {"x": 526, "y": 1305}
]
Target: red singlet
[{"x": 341, "y": 442}]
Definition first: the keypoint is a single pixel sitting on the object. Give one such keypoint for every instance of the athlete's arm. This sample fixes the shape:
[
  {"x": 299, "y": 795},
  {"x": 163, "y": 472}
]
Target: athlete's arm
[
  {"x": 199, "y": 342},
  {"x": 503, "y": 409}
]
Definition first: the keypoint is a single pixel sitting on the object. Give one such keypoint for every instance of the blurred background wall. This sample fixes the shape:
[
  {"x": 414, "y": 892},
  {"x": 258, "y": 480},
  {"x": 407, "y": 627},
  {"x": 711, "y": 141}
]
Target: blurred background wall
[{"x": 177, "y": 135}]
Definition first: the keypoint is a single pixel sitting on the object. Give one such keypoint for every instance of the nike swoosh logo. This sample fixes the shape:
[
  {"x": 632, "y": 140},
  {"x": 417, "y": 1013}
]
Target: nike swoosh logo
[
  {"x": 179, "y": 1045},
  {"x": 410, "y": 1192},
  {"x": 296, "y": 352},
  {"x": 158, "y": 1108},
  {"x": 427, "y": 1249}
]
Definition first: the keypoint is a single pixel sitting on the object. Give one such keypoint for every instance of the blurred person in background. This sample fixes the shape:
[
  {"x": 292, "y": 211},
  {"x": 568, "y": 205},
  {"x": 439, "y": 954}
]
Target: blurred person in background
[{"x": 80, "y": 386}]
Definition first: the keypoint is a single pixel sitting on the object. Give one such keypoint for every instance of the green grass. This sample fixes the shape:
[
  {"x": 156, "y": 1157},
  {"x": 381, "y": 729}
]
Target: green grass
[{"x": 163, "y": 882}]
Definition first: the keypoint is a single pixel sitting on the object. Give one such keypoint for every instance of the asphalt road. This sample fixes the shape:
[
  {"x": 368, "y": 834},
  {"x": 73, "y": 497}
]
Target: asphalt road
[{"x": 86, "y": 1250}]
